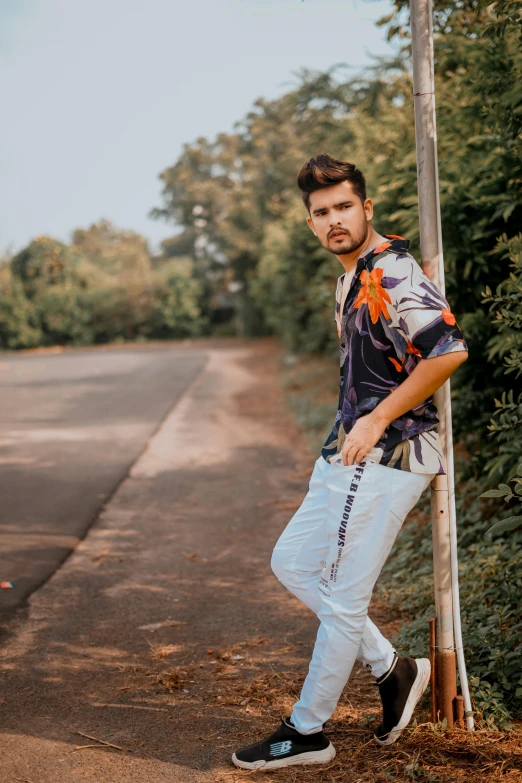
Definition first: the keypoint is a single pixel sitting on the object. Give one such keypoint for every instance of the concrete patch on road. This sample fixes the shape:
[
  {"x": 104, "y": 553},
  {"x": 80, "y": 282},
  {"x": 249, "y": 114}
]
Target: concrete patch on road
[{"x": 204, "y": 429}]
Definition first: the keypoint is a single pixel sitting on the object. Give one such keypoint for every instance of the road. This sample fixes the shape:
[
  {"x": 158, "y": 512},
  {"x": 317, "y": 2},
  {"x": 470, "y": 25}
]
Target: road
[
  {"x": 71, "y": 425},
  {"x": 152, "y": 632}
]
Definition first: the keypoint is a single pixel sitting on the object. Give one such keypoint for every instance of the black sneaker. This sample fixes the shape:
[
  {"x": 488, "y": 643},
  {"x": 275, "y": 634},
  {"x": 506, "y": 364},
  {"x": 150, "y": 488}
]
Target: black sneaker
[
  {"x": 285, "y": 747},
  {"x": 400, "y": 688}
]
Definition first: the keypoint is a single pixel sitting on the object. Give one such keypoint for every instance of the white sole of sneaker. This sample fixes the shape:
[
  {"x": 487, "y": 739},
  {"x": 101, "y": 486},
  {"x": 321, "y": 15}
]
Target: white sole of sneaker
[
  {"x": 417, "y": 689},
  {"x": 313, "y": 757}
]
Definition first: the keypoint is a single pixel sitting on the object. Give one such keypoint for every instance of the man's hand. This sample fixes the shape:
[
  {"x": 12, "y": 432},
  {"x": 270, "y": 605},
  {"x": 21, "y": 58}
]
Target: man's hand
[{"x": 362, "y": 437}]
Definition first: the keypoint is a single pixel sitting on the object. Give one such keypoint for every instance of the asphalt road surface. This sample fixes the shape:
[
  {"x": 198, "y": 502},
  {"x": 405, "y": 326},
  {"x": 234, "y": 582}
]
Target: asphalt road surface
[{"x": 71, "y": 425}]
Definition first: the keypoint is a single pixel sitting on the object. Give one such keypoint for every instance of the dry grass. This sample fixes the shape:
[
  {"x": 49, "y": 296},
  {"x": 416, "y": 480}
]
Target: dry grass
[
  {"x": 173, "y": 679},
  {"x": 243, "y": 682},
  {"x": 160, "y": 651},
  {"x": 425, "y": 752}
]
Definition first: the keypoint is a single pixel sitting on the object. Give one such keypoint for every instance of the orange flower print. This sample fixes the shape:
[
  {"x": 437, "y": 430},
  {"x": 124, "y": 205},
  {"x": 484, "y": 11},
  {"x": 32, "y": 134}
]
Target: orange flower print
[
  {"x": 448, "y": 317},
  {"x": 410, "y": 348},
  {"x": 373, "y": 294},
  {"x": 381, "y": 247},
  {"x": 396, "y": 364}
]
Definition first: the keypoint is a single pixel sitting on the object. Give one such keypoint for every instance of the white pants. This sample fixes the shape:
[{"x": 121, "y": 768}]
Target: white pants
[{"x": 329, "y": 556}]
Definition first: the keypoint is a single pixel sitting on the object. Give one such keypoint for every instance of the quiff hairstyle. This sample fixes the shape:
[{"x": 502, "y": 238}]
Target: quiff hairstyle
[{"x": 324, "y": 171}]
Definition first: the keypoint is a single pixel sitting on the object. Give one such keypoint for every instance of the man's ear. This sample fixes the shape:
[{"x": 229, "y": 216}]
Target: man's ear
[
  {"x": 368, "y": 209},
  {"x": 311, "y": 225}
]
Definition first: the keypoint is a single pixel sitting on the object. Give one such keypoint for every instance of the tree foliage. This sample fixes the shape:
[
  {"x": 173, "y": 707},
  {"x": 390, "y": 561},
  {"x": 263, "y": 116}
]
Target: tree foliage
[
  {"x": 490, "y": 583},
  {"x": 506, "y": 424},
  {"x": 103, "y": 287}
]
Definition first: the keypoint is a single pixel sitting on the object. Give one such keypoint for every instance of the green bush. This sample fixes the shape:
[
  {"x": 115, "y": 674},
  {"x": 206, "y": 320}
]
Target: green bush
[
  {"x": 100, "y": 289},
  {"x": 506, "y": 307},
  {"x": 61, "y": 317},
  {"x": 175, "y": 308},
  {"x": 490, "y": 577},
  {"x": 18, "y": 324}
]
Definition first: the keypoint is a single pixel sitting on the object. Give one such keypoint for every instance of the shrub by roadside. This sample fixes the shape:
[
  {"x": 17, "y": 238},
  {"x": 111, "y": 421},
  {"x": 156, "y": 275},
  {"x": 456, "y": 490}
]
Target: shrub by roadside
[
  {"x": 490, "y": 587},
  {"x": 57, "y": 294}
]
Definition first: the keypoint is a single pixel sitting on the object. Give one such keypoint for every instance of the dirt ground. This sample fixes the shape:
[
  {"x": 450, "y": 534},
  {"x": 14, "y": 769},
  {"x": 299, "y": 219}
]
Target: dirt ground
[{"x": 165, "y": 642}]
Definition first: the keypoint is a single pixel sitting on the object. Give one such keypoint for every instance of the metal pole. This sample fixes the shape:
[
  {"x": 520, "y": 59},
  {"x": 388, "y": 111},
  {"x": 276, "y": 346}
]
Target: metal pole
[{"x": 445, "y": 567}]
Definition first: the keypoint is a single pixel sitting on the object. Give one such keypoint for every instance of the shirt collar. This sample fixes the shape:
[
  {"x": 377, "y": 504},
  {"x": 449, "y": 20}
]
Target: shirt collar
[{"x": 395, "y": 243}]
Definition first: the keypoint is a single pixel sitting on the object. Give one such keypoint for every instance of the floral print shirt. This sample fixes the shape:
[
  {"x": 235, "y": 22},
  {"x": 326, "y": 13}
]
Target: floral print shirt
[{"x": 393, "y": 316}]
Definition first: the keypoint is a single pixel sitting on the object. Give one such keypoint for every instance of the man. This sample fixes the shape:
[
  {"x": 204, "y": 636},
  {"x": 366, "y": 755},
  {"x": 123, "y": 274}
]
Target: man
[{"x": 399, "y": 342}]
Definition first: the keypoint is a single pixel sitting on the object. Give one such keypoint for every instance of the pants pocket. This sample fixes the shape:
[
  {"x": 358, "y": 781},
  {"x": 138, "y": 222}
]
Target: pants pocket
[{"x": 406, "y": 491}]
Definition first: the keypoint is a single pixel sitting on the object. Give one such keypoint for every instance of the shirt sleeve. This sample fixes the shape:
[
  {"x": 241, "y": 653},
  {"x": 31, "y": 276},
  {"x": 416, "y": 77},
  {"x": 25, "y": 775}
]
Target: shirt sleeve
[{"x": 423, "y": 315}]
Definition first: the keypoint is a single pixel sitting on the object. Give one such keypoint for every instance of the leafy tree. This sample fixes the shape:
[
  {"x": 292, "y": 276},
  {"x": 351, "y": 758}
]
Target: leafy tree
[
  {"x": 122, "y": 255},
  {"x": 506, "y": 306},
  {"x": 18, "y": 325},
  {"x": 43, "y": 263},
  {"x": 103, "y": 287},
  {"x": 175, "y": 305},
  {"x": 224, "y": 194},
  {"x": 506, "y": 425}
]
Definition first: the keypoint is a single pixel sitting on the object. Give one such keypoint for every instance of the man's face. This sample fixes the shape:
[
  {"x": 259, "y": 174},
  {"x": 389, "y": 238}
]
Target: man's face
[{"x": 339, "y": 219}]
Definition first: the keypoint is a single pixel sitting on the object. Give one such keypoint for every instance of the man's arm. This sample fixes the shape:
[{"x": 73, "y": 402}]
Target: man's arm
[{"x": 428, "y": 376}]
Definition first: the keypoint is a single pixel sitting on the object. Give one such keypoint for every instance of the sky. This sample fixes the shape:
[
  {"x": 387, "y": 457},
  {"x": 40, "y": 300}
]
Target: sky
[{"x": 99, "y": 96}]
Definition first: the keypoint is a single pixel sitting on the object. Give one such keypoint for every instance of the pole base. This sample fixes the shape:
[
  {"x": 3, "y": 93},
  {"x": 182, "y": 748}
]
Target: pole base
[
  {"x": 458, "y": 706},
  {"x": 446, "y": 669},
  {"x": 445, "y": 703}
]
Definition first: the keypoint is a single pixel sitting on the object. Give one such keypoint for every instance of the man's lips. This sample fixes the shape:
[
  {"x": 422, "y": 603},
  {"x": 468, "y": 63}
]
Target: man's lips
[{"x": 337, "y": 234}]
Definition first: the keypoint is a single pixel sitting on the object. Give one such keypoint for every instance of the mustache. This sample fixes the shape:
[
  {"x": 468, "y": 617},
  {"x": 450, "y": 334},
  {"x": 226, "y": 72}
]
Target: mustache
[{"x": 334, "y": 230}]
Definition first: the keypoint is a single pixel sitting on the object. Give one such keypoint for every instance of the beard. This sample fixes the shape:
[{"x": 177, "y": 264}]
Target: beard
[{"x": 352, "y": 240}]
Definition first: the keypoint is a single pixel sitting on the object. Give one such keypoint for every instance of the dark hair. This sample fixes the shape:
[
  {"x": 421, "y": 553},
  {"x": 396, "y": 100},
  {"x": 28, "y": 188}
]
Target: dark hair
[{"x": 324, "y": 171}]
